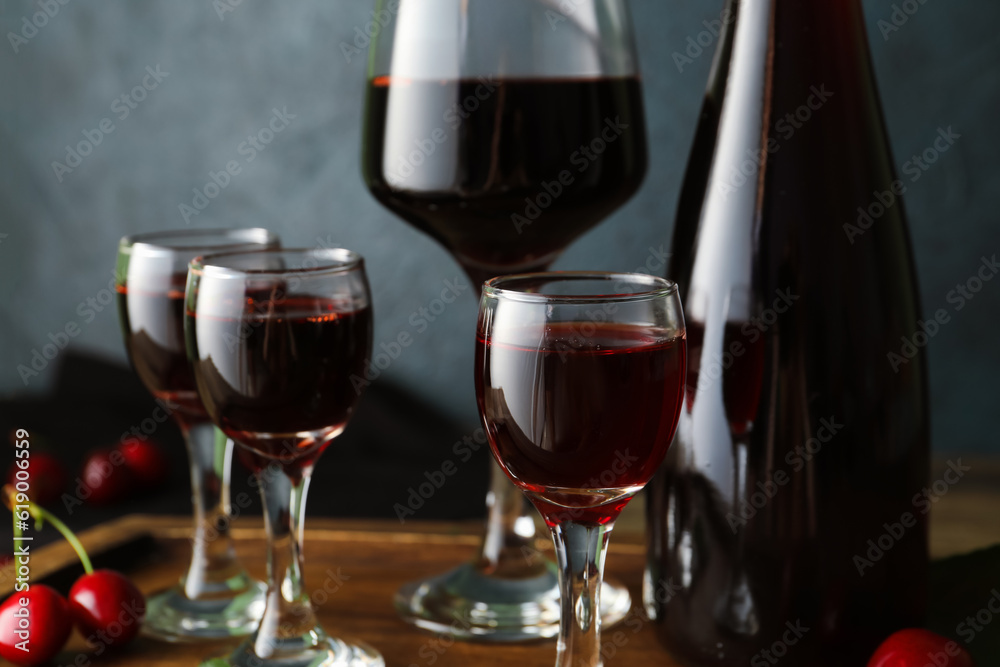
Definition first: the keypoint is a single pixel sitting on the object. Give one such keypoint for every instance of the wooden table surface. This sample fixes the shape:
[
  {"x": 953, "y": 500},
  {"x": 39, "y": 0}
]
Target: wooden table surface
[{"x": 376, "y": 557}]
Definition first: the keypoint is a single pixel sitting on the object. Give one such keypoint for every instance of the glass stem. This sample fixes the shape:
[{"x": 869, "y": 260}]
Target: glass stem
[
  {"x": 509, "y": 543},
  {"x": 580, "y": 552},
  {"x": 213, "y": 558},
  {"x": 288, "y": 616}
]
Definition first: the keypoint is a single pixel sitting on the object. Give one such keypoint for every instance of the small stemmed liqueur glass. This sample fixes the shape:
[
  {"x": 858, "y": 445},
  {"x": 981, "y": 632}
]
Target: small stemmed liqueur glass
[
  {"x": 215, "y": 598},
  {"x": 504, "y": 130},
  {"x": 275, "y": 338},
  {"x": 580, "y": 381}
]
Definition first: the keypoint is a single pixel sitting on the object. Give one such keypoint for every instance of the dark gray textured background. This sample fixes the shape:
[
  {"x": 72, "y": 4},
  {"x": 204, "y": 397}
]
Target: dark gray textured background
[{"x": 226, "y": 74}]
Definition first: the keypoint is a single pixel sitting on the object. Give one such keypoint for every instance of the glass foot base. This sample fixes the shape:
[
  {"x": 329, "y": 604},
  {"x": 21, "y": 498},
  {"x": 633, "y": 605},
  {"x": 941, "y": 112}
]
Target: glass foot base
[
  {"x": 326, "y": 652},
  {"x": 468, "y": 604},
  {"x": 173, "y": 617}
]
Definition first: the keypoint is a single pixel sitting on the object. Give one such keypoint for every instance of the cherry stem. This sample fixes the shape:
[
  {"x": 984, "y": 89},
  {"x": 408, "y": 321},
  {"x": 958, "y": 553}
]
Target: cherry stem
[
  {"x": 17, "y": 526},
  {"x": 41, "y": 515}
]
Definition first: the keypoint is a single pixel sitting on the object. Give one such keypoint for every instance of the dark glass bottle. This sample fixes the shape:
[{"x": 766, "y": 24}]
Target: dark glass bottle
[{"x": 800, "y": 440}]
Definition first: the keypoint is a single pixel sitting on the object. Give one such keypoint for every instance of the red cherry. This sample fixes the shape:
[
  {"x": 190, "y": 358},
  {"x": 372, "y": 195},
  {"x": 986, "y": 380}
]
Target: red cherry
[
  {"x": 104, "y": 477},
  {"x": 914, "y": 647},
  {"x": 107, "y": 607},
  {"x": 46, "y": 475},
  {"x": 48, "y": 625},
  {"x": 146, "y": 461}
]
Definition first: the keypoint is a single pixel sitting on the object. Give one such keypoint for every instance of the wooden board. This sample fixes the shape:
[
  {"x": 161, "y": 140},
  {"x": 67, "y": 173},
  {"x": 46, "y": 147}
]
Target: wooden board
[
  {"x": 379, "y": 556},
  {"x": 374, "y": 559}
]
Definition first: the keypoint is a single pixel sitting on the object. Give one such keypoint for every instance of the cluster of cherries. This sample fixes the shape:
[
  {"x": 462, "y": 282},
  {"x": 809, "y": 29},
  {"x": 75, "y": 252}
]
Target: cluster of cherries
[
  {"x": 107, "y": 475},
  {"x": 104, "y": 605}
]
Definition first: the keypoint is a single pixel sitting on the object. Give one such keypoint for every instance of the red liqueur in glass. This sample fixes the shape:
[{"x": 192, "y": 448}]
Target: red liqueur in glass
[
  {"x": 576, "y": 410},
  {"x": 289, "y": 387}
]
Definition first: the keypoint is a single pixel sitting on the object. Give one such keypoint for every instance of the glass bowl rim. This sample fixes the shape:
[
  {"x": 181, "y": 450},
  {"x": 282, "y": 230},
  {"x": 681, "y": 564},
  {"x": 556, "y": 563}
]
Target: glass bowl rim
[
  {"x": 340, "y": 260},
  {"x": 149, "y": 244},
  {"x": 659, "y": 287}
]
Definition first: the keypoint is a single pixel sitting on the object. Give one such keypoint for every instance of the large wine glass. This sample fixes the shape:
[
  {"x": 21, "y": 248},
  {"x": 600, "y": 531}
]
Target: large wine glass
[
  {"x": 580, "y": 381},
  {"x": 504, "y": 130},
  {"x": 215, "y": 598},
  {"x": 275, "y": 338}
]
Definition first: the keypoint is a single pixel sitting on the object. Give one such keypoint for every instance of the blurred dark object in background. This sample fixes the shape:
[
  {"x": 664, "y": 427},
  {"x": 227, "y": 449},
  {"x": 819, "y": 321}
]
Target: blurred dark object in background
[{"x": 389, "y": 445}]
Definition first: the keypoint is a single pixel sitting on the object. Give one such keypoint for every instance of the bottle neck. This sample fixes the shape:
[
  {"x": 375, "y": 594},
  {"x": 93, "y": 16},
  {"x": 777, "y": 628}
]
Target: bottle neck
[
  {"x": 774, "y": 54},
  {"x": 791, "y": 83}
]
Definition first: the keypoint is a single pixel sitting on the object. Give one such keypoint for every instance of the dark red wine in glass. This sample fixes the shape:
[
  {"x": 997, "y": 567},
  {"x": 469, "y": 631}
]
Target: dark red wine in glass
[
  {"x": 215, "y": 598},
  {"x": 580, "y": 381},
  {"x": 578, "y": 417},
  {"x": 509, "y": 185},
  {"x": 278, "y": 341},
  {"x": 503, "y": 130},
  {"x": 286, "y": 398},
  {"x": 153, "y": 328}
]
